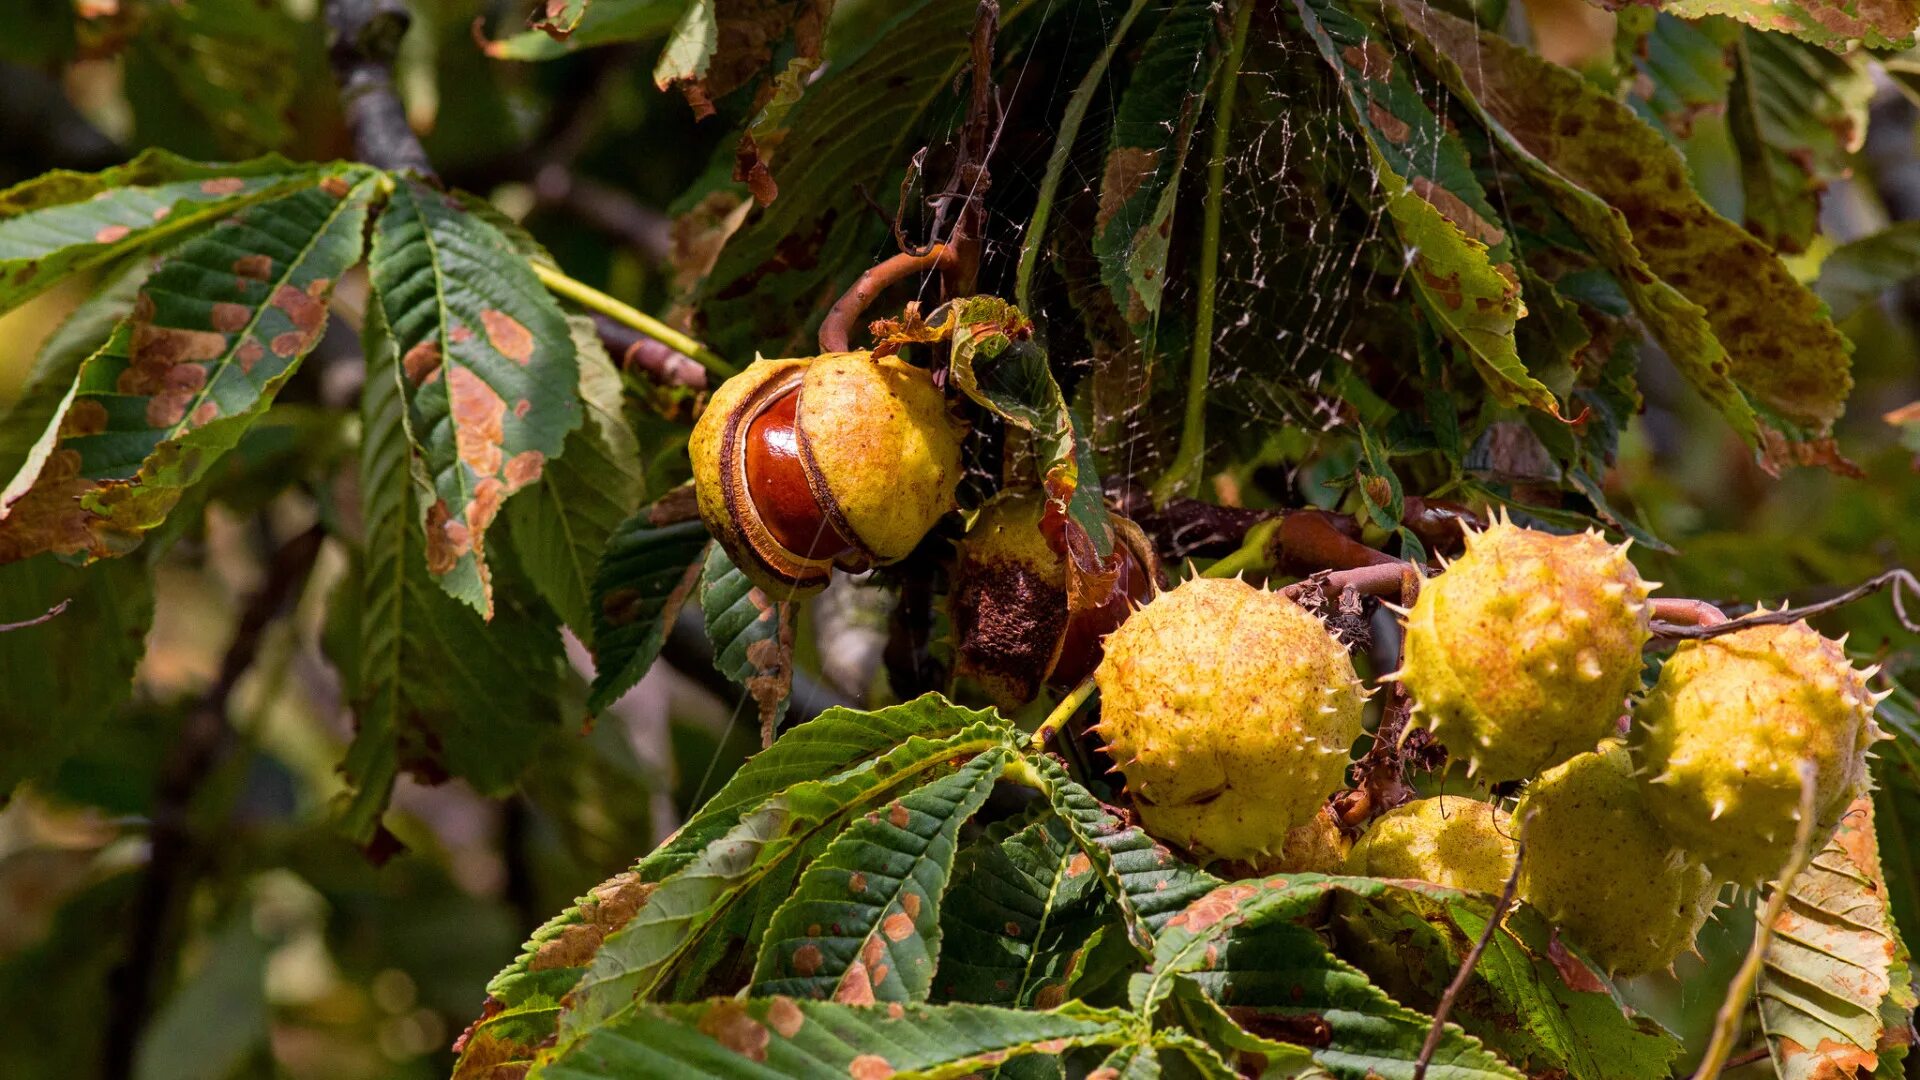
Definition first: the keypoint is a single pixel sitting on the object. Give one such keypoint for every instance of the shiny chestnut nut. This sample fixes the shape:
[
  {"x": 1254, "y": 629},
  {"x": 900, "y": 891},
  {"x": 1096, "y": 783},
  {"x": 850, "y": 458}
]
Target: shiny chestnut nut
[
  {"x": 841, "y": 460},
  {"x": 1013, "y": 628}
]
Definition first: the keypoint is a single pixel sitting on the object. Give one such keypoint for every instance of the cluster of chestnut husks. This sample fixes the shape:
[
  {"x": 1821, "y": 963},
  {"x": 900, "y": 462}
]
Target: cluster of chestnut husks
[
  {"x": 1015, "y": 628},
  {"x": 802, "y": 465}
]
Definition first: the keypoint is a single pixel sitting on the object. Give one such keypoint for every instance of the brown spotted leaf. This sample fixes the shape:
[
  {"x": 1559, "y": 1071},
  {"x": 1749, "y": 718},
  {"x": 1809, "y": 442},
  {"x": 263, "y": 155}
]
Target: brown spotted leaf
[
  {"x": 1833, "y": 23},
  {"x": 561, "y": 525},
  {"x": 1835, "y": 967},
  {"x": 1023, "y": 902},
  {"x": 1797, "y": 113},
  {"x": 65, "y": 222},
  {"x": 646, "y": 572},
  {"x": 435, "y": 691},
  {"x": 699, "y": 896},
  {"x": 823, "y": 1040},
  {"x": 1735, "y": 321},
  {"x": 1459, "y": 257},
  {"x": 213, "y": 334},
  {"x": 864, "y": 923},
  {"x": 489, "y": 370},
  {"x": 752, "y": 636}
]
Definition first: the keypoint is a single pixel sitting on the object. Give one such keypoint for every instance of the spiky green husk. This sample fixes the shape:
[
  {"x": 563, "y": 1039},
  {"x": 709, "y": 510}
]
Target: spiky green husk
[
  {"x": 1231, "y": 712},
  {"x": 1603, "y": 870},
  {"x": 1522, "y": 653},
  {"x": 1720, "y": 737},
  {"x": 1449, "y": 840}
]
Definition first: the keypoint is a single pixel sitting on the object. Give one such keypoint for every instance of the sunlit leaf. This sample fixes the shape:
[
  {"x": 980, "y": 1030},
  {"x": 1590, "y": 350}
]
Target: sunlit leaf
[{"x": 491, "y": 377}]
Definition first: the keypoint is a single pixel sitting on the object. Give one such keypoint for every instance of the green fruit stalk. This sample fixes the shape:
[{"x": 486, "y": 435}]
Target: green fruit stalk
[
  {"x": 1522, "y": 653},
  {"x": 1721, "y": 737},
  {"x": 1449, "y": 840},
  {"x": 1599, "y": 866},
  {"x": 1231, "y": 711}
]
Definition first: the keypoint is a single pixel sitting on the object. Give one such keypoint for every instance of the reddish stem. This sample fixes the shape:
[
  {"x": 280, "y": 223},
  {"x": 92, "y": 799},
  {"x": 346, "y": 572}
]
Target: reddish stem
[
  {"x": 1684, "y": 611},
  {"x": 837, "y": 327}
]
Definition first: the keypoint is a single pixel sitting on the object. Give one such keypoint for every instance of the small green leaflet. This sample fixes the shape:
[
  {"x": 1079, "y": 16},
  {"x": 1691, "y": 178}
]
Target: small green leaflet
[
  {"x": 751, "y": 636},
  {"x": 491, "y": 375}
]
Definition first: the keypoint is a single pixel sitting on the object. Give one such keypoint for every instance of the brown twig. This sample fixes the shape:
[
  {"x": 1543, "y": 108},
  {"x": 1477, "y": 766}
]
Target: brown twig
[
  {"x": 1388, "y": 579},
  {"x": 1898, "y": 580},
  {"x": 634, "y": 351},
  {"x": 601, "y": 206},
  {"x": 365, "y": 40},
  {"x": 1683, "y": 611},
  {"x": 204, "y": 739},
  {"x": 1472, "y": 958},
  {"x": 836, "y": 328},
  {"x": 37, "y": 619},
  {"x": 1750, "y": 1057}
]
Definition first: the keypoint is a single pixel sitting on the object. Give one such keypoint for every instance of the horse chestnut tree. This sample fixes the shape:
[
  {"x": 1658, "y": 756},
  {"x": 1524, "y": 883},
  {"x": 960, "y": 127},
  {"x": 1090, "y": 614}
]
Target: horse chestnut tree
[{"x": 1115, "y": 540}]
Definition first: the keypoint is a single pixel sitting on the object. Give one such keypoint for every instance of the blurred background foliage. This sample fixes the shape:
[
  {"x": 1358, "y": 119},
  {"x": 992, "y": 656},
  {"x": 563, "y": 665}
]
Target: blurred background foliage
[{"x": 296, "y": 956}]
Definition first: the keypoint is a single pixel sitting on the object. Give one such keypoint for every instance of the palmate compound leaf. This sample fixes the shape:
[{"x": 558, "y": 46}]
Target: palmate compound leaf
[
  {"x": 864, "y": 923},
  {"x": 1835, "y": 967},
  {"x": 1461, "y": 258},
  {"x": 523, "y": 1000},
  {"x": 560, "y": 526},
  {"x": 490, "y": 371},
  {"x": 1243, "y": 946},
  {"x": 639, "y": 958},
  {"x": 781, "y": 1038},
  {"x": 65, "y": 222},
  {"x": 435, "y": 689},
  {"x": 1024, "y": 900},
  {"x": 215, "y": 331},
  {"x": 1731, "y": 316}
]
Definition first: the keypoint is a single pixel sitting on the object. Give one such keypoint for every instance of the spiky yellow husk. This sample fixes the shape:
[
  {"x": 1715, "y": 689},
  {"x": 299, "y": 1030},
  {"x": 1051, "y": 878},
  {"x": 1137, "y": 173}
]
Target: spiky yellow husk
[
  {"x": 1522, "y": 653},
  {"x": 1603, "y": 870},
  {"x": 1449, "y": 840},
  {"x": 1231, "y": 712},
  {"x": 1720, "y": 737}
]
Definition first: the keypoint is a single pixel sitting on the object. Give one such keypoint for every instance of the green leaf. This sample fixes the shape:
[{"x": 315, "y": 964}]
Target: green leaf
[
  {"x": 524, "y": 998},
  {"x": 690, "y": 48},
  {"x": 1134, "y": 1061},
  {"x": 751, "y": 635},
  {"x": 1854, "y": 274},
  {"x": 1020, "y": 906},
  {"x": 64, "y": 222},
  {"x": 185, "y": 375},
  {"x": 1797, "y": 113},
  {"x": 598, "y": 22},
  {"x": 644, "y": 575},
  {"x": 1835, "y": 24},
  {"x": 233, "y": 64},
  {"x": 864, "y": 923},
  {"x": 435, "y": 689},
  {"x": 66, "y": 677},
  {"x": 1835, "y": 966},
  {"x": 560, "y": 18},
  {"x": 1147, "y": 151},
  {"x": 1149, "y": 883},
  {"x": 1541, "y": 1008},
  {"x": 490, "y": 371},
  {"x": 561, "y": 526},
  {"x": 780, "y": 1037},
  {"x": 1242, "y": 946},
  {"x": 851, "y": 128},
  {"x": 637, "y": 959},
  {"x": 1732, "y": 317},
  {"x": 1460, "y": 258}
]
